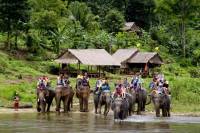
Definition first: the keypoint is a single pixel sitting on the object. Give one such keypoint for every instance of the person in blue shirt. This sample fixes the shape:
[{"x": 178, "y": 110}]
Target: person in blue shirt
[{"x": 105, "y": 86}]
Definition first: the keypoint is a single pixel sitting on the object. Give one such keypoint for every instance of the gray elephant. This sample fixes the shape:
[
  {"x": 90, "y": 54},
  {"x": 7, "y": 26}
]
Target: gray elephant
[
  {"x": 161, "y": 102},
  {"x": 141, "y": 98},
  {"x": 44, "y": 97},
  {"x": 105, "y": 99},
  {"x": 83, "y": 94},
  {"x": 63, "y": 93},
  {"x": 120, "y": 108}
]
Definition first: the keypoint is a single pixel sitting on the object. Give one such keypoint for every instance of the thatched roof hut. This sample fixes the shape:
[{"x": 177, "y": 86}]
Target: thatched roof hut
[
  {"x": 146, "y": 57},
  {"x": 92, "y": 57},
  {"x": 133, "y": 59},
  {"x": 131, "y": 27},
  {"x": 122, "y": 55}
]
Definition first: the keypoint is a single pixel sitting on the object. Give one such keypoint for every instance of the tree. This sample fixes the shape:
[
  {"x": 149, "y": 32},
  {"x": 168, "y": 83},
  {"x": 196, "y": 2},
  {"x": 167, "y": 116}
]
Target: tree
[
  {"x": 181, "y": 11},
  {"x": 82, "y": 13},
  {"x": 141, "y": 12},
  {"x": 13, "y": 15},
  {"x": 114, "y": 21}
]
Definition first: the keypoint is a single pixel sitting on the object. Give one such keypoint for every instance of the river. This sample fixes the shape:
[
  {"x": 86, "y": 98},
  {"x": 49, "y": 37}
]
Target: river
[{"x": 91, "y": 123}]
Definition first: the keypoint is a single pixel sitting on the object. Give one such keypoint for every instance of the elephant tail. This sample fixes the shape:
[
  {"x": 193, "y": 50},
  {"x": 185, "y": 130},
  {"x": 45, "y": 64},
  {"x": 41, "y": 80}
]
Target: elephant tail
[{"x": 149, "y": 100}]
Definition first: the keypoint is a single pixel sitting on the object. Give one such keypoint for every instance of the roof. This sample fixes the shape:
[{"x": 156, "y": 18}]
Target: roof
[
  {"x": 121, "y": 55},
  {"x": 145, "y": 57},
  {"x": 96, "y": 57},
  {"x": 131, "y": 26}
]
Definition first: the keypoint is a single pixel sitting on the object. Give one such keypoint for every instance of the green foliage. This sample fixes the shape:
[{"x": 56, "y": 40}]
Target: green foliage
[
  {"x": 141, "y": 12},
  {"x": 114, "y": 21},
  {"x": 13, "y": 17},
  {"x": 81, "y": 12}
]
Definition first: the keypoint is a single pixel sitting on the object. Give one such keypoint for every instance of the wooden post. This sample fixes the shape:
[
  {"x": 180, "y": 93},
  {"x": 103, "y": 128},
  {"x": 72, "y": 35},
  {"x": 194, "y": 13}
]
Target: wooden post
[{"x": 99, "y": 71}]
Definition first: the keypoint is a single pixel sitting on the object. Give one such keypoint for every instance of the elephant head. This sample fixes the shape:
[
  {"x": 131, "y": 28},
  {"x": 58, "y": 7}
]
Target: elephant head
[
  {"x": 41, "y": 100},
  {"x": 119, "y": 108}
]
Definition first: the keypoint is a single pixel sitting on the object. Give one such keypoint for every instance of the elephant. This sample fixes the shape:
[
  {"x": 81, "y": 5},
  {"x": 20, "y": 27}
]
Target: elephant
[
  {"x": 160, "y": 101},
  {"x": 139, "y": 97},
  {"x": 83, "y": 94},
  {"x": 120, "y": 108},
  {"x": 63, "y": 93},
  {"x": 44, "y": 96},
  {"x": 104, "y": 99}
]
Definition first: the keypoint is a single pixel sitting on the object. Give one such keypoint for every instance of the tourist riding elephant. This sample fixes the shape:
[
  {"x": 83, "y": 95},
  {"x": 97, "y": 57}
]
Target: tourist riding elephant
[
  {"x": 120, "y": 108},
  {"x": 82, "y": 93},
  {"x": 160, "y": 101},
  {"x": 105, "y": 99},
  {"x": 44, "y": 96},
  {"x": 63, "y": 93}
]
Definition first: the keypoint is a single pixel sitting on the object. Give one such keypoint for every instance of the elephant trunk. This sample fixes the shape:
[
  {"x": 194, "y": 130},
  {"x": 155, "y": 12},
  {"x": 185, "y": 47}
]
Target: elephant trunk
[{"x": 116, "y": 113}]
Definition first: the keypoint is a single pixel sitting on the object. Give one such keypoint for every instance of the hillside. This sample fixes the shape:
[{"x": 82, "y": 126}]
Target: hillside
[{"x": 21, "y": 76}]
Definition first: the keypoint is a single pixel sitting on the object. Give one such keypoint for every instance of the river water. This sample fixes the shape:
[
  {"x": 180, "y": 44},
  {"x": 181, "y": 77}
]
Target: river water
[{"x": 91, "y": 123}]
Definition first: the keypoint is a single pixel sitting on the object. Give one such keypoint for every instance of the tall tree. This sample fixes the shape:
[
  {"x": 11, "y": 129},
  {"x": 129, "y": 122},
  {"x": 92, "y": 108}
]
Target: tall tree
[
  {"x": 181, "y": 11},
  {"x": 141, "y": 12},
  {"x": 114, "y": 21},
  {"x": 81, "y": 12},
  {"x": 13, "y": 14}
]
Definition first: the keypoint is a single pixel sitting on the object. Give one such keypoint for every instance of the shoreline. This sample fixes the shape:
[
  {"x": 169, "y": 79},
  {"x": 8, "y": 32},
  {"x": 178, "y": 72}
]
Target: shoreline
[{"x": 74, "y": 110}]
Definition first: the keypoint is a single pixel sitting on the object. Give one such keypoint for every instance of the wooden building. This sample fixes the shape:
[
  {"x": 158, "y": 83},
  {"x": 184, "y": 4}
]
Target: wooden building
[
  {"x": 133, "y": 60},
  {"x": 91, "y": 57}
]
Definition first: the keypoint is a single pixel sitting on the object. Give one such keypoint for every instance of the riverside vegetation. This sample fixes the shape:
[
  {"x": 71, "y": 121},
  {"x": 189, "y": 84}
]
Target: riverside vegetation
[{"x": 35, "y": 32}]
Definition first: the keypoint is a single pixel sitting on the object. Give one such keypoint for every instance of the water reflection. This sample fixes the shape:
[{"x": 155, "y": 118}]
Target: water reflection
[{"x": 88, "y": 122}]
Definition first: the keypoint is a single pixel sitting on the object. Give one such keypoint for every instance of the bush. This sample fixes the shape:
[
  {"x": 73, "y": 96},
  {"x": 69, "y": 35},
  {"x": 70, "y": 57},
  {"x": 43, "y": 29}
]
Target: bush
[{"x": 194, "y": 73}]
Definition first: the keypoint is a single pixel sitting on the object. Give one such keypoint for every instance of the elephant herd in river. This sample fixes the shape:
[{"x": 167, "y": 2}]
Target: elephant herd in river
[{"x": 121, "y": 106}]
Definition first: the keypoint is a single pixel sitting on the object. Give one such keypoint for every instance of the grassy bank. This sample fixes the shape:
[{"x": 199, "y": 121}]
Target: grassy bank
[{"x": 21, "y": 76}]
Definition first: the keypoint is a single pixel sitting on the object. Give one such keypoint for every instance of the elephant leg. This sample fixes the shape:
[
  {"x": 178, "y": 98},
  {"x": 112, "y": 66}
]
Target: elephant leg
[
  {"x": 49, "y": 104},
  {"x": 100, "y": 108},
  {"x": 139, "y": 108},
  {"x": 130, "y": 110},
  {"x": 168, "y": 113},
  {"x": 86, "y": 105},
  {"x": 163, "y": 112},
  {"x": 96, "y": 108},
  {"x": 71, "y": 102},
  {"x": 133, "y": 108},
  {"x": 157, "y": 112},
  {"x": 58, "y": 100},
  {"x": 38, "y": 107},
  {"x": 81, "y": 104},
  {"x": 143, "y": 105},
  {"x": 65, "y": 103}
]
